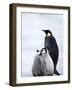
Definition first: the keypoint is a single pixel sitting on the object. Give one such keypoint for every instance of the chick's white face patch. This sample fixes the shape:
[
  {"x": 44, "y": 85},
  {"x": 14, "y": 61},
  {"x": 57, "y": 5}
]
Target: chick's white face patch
[{"x": 43, "y": 52}]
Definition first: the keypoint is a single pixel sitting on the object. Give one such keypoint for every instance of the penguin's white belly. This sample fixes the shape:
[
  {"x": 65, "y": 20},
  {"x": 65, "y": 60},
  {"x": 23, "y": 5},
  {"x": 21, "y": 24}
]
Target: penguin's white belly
[{"x": 49, "y": 65}]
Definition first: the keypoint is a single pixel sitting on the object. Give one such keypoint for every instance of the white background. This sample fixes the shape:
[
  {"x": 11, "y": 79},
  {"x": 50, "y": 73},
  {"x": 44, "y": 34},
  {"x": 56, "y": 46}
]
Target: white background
[{"x": 4, "y": 45}]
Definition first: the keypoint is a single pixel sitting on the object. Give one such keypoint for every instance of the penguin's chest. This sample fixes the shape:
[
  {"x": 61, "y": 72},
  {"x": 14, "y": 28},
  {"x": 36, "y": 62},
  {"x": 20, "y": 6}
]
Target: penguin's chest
[{"x": 49, "y": 65}]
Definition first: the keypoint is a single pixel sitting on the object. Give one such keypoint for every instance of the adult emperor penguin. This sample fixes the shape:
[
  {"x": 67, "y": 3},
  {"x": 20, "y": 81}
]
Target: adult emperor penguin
[{"x": 51, "y": 44}]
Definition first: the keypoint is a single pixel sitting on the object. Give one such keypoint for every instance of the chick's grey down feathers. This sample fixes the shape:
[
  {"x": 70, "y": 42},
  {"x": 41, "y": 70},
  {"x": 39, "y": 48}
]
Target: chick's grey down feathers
[{"x": 42, "y": 65}]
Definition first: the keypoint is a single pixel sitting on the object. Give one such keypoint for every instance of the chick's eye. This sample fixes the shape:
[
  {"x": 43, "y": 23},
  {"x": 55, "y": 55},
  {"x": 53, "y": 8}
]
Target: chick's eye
[{"x": 37, "y": 50}]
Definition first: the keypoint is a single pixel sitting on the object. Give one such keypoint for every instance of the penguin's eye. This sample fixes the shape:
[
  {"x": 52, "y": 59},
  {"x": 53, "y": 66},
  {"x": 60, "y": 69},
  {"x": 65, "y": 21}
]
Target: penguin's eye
[{"x": 49, "y": 34}]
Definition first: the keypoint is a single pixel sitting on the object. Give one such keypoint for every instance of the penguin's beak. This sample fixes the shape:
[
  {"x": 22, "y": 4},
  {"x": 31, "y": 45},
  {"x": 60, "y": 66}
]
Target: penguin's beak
[{"x": 45, "y": 32}]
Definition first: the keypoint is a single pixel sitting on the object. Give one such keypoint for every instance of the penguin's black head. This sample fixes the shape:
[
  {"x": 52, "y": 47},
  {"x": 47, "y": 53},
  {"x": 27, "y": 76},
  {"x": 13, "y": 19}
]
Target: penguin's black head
[{"x": 47, "y": 32}]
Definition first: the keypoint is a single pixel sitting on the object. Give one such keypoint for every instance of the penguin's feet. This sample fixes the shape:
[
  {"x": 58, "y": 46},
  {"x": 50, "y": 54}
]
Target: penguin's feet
[
  {"x": 56, "y": 72},
  {"x": 37, "y": 75}
]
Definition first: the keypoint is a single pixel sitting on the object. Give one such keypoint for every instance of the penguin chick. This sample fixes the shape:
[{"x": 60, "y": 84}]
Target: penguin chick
[
  {"x": 43, "y": 65},
  {"x": 36, "y": 68}
]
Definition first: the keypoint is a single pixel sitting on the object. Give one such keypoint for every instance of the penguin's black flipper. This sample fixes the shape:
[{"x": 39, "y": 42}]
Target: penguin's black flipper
[{"x": 56, "y": 72}]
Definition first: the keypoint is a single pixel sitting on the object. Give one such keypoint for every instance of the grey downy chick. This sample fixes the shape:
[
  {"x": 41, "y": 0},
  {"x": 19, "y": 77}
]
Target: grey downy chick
[{"x": 43, "y": 64}]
